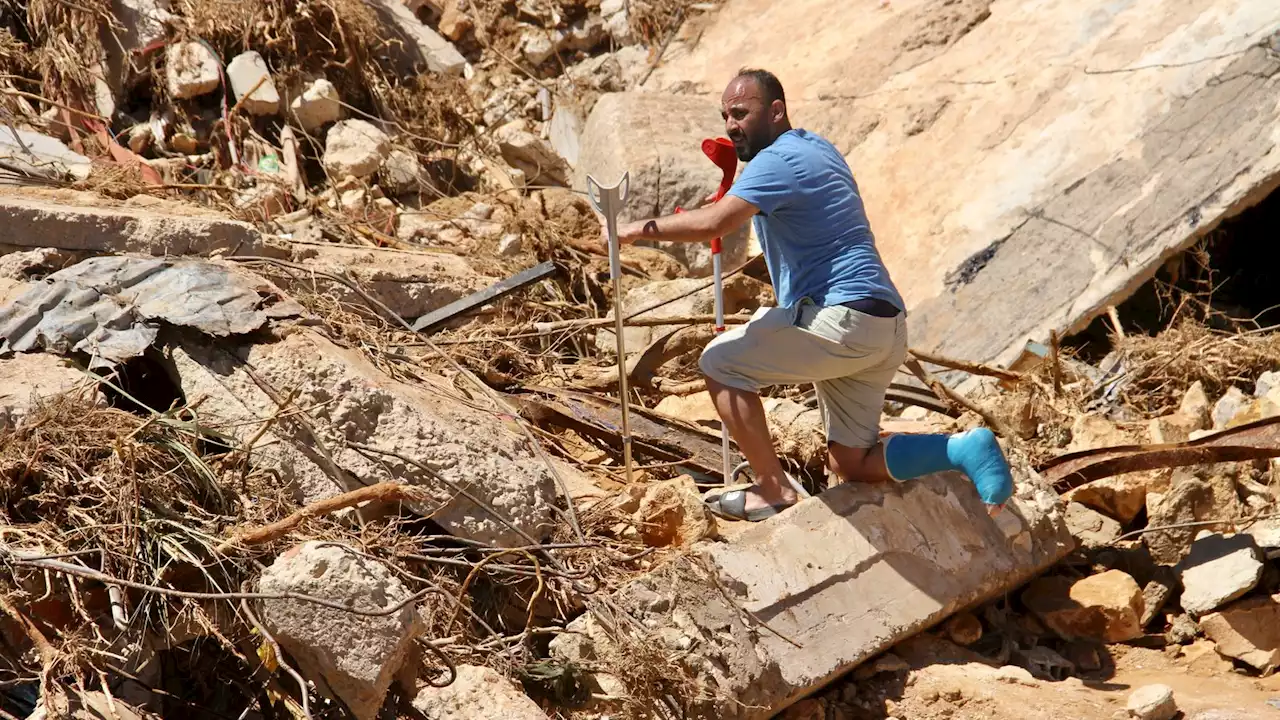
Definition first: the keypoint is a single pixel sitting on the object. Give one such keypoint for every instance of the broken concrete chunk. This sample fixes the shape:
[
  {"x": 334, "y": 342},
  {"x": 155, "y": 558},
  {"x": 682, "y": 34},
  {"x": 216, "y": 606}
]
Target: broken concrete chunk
[
  {"x": 905, "y": 555},
  {"x": 564, "y": 132},
  {"x": 1182, "y": 629},
  {"x": 1091, "y": 529},
  {"x": 538, "y": 45},
  {"x": 192, "y": 69},
  {"x": 1248, "y": 631},
  {"x": 447, "y": 444},
  {"x": 616, "y": 20},
  {"x": 246, "y": 72},
  {"x": 525, "y": 151},
  {"x": 1219, "y": 569},
  {"x": 1106, "y": 607},
  {"x": 1195, "y": 495},
  {"x": 1152, "y": 702},
  {"x": 1121, "y": 497},
  {"x": 356, "y": 655},
  {"x": 416, "y": 44},
  {"x": 477, "y": 693},
  {"x": 355, "y": 147},
  {"x": 1156, "y": 594},
  {"x": 1195, "y": 405},
  {"x": 401, "y": 173},
  {"x": 318, "y": 105},
  {"x": 510, "y": 245}
]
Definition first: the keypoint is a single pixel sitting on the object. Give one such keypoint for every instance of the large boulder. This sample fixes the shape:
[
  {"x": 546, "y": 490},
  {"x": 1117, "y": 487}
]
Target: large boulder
[
  {"x": 357, "y": 656},
  {"x": 350, "y": 401},
  {"x": 825, "y": 585},
  {"x": 1009, "y": 191},
  {"x": 657, "y": 138}
]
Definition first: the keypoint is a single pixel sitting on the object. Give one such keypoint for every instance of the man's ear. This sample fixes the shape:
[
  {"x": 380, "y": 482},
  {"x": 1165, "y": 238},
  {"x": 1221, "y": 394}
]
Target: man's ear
[{"x": 777, "y": 111}]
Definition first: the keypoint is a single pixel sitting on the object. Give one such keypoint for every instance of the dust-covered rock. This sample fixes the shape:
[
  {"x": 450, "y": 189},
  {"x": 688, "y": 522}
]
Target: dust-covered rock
[
  {"x": 1228, "y": 406},
  {"x": 355, "y": 147},
  {"x": 251, "y": 82},
  {"x": 1120, "y": 497},
  {"x": 1106, "y": 607},
  {"x": 477, "y": 693},
  {"x": 526, "y": 151},
  {"x": 672, "y": 513},
  {"x": 191, "y": 69},
  {"x": 1248, "y": 630},
  {"x": 1197, "y": 494},
  {"x": 318, "y": 105},
  {"x": 1152, "y": 702},
  {"x": 1090, "y": 528},
  {"x": 1219, "y": 569},
  {"x": 357, "y": 656}
]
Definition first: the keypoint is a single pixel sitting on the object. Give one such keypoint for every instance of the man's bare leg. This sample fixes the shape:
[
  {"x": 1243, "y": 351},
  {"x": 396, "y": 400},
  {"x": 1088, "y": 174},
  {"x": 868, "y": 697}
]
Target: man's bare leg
[
  {"x": 852, "y": 464},
  {"x": 743, "y": 414}
]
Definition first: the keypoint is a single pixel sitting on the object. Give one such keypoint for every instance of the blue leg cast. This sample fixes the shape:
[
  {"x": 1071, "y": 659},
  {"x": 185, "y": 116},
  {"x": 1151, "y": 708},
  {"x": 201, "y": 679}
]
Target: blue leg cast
[{"x": 975, "y": 453}]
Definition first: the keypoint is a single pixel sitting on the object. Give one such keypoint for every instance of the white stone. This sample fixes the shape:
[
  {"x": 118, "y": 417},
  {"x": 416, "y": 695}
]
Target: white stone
[
  {"x": 355, "y": 147},
  {"x": 245, "y": 72},
  {"x": 401, "y": 173},
  {"x": 1218, "y": 569},
  {"x": 527, "y": 152},
  {"x": 510, "y": 245},
  {"x": 1267, "y": 381},
  {"x": 616, "y": 21},
  {"x": 1228, "y": 406},
  {"x": 40, "y": 155},
  {"x": 356, "y": 655},
  {"x": 192, "y": 70},
  {"x": 564, "y": 132},
  {"x": 478, "y": 693},
  {"x": 1152, "y": 702},
  {"x": 537, "y": 47},
  {"x": 317, "y": 106},
  {"x": 419, "y": 43}
]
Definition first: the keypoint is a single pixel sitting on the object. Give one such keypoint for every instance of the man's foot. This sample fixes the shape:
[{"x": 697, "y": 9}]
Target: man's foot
[
  {"x": 978, "y": 454},
  {"x": 750, "y": 503}
]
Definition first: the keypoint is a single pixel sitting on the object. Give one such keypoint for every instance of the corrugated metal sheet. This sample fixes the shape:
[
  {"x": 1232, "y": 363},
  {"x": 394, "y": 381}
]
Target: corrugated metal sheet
[{"x": 113, "y": 307}]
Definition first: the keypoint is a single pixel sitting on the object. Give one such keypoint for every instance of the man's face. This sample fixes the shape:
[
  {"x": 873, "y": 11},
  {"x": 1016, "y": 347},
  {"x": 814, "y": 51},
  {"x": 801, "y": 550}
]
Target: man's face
[{"x": 746, "y": 118}]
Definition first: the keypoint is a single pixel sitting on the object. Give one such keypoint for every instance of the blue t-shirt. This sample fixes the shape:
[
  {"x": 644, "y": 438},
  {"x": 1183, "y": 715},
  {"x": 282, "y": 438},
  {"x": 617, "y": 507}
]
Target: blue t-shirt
[{"x": 812, "y": 227}]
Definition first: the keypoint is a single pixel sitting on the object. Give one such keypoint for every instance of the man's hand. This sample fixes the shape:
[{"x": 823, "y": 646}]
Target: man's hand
[{"x": 700, "y": 225}]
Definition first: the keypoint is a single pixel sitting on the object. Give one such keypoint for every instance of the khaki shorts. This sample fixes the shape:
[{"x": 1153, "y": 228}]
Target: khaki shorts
[{"x": 849, "y": 356}]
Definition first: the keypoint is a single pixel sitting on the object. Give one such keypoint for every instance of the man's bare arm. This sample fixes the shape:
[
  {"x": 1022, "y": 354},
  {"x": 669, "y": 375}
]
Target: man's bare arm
[{"x": 700, "y": 225}]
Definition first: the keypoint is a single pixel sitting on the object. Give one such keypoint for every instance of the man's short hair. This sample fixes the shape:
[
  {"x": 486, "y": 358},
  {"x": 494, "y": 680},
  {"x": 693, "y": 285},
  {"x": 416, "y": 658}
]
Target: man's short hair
[{"x": 768, "y": 82}]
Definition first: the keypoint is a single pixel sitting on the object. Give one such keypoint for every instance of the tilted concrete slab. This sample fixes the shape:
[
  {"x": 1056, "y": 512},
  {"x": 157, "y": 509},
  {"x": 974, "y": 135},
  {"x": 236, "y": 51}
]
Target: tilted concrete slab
[
  {"x": 1024, "y": 164},
  {"x": 807, "y": 595}
]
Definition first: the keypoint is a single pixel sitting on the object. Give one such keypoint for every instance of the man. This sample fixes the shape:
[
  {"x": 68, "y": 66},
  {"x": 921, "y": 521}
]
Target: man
[{"x": 839, "y": 324}]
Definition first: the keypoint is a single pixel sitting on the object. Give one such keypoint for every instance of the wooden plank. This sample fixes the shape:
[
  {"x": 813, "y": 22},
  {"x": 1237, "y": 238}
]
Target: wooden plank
[{"x": 493, "y": 292}]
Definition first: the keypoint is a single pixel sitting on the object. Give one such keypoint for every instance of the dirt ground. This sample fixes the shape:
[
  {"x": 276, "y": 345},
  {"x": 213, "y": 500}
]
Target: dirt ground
[{"x": 947, "y": 681}]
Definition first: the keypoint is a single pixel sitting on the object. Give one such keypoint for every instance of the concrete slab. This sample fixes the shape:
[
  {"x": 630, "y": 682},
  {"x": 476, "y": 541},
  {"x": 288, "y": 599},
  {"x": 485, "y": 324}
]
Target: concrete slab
[
  {"x": 1024, "y": 164},
  {"x": 837, "y": 579},
  {"x": 416, "y": 44}
]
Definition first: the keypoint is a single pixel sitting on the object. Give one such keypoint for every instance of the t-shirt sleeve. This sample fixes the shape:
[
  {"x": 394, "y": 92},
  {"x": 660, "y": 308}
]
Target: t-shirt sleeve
[{"x": 767, "y": 182}]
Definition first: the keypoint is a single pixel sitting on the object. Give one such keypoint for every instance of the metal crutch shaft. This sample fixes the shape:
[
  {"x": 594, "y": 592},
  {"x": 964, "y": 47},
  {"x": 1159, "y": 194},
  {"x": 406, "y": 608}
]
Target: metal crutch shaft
[{"x": 608, "y": 201}]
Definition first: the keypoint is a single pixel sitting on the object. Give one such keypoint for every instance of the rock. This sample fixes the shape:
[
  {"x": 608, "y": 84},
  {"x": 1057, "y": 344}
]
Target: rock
[
  {"x": 1120, "y": 497},
  {"x": 1228, "y": 406},
  {"x": 415, "y": 44},
  {"x": 40, "y": 155},
  {"x": 1014, "y": 675},
  {"x": 1248, "y": 631},
  {"x": 655, "y": 263},
  {"x": 741, "y": 294},
  {"x": 244, "y": 72},
  {"x": 351, "y": 401},
  {"x": 192, "y": 70},
  {"x": 1219, "y": 569},
  {"x": 1182, "y": 630},
  {"x": 477, "y": 693},
  {"x": 1106, "y": 607},
  {"x": 1202, "y": 658},
  {"x": 921, "y": 550},
  {"x": 262, "y": 202},
  {"x": 511, "y": 245},
  {"x": 538, "y": 45},
  {"x": 1266, "y": 535},
  {"x": 1090, "y": 432},
  {"x": 1152, "y": 702},
  {"x": 318, "y": 105},
  {"x": 401, "y": 173},
  {"x": 672, "y": 513},
  {"x": 696, "y": 408},
  {"x": 355, "y": 147},
  {"x": 657, "y": 139},
  {"x": 356, "y": 655},
  {"x": 527, "y": 152},
  {"x": 1195, "y": 495},
  {"x": 564, "y": 132},
  {"x": 1173, "y": 428},
  {"x": 964, "y": 629},
  {"x": 1195, "y": 405},
  {"x": 454, "y": 22},
  {"x": 1155, "y": 594},
  {"x": 1091, "y": 529},
  {"x": 616, "y": 20}
]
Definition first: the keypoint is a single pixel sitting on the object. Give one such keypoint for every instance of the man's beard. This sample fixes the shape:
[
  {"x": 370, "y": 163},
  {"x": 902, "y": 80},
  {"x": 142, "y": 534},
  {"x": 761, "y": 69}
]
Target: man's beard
[{"x": 747, "y": 147}]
